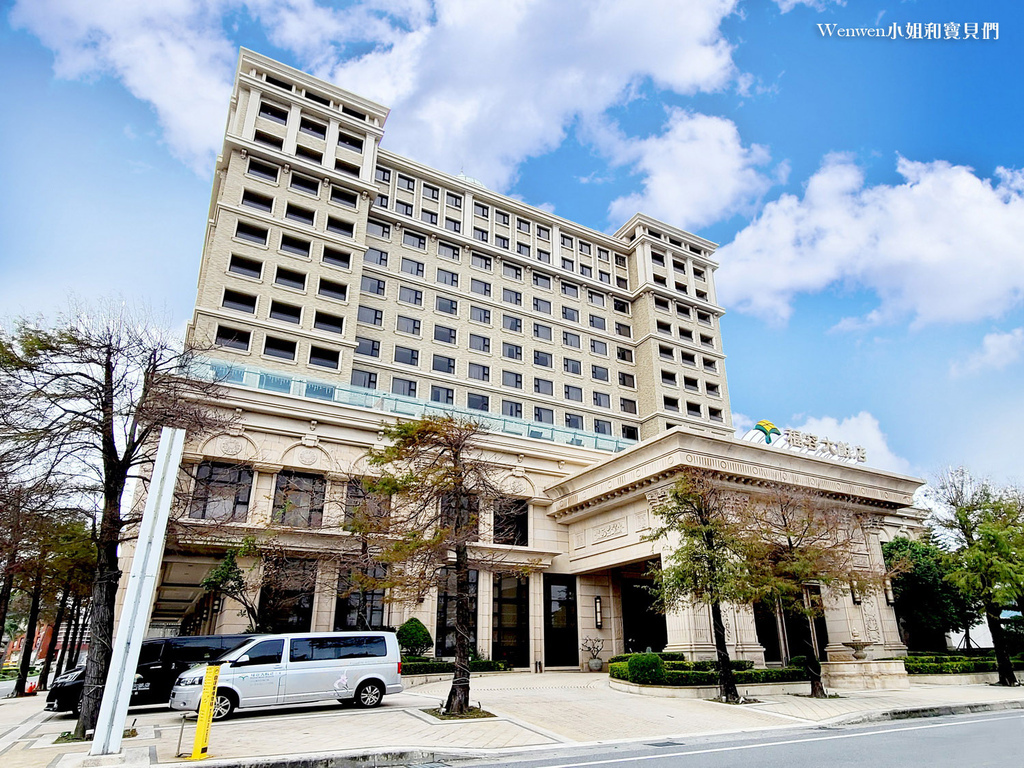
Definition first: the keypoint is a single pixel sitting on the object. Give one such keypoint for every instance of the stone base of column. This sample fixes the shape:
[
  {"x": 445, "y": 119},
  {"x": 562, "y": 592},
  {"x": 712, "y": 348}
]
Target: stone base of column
[{"x": 865, "y": 675}]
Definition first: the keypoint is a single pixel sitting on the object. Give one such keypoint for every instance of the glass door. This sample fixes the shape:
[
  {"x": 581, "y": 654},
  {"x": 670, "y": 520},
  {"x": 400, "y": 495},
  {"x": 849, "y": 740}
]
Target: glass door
[{"x": 561, "y": 638}]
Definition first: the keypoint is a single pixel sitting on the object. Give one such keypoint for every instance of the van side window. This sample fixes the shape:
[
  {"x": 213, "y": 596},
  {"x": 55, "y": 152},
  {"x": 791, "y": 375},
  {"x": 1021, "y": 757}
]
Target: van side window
[
  {"x": 329, "y": 648},
  {"x": 266, "y": 652}
]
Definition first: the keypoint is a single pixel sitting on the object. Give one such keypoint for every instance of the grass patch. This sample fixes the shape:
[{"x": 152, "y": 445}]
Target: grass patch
[
  {"x": 68, "y": 737},
  {"x": 474, "y": 713}
]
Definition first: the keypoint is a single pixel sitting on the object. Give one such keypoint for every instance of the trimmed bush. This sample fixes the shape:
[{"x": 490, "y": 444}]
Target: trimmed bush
[
  {"x": 960, "y": 666},
  {"x": 690, "y": 677},
  {"x": 621, "y": 658},
  {"x": 447, "y": 667},
  {"x": 785, "y": 675},
  {"x": 666, "y": 657},
  {"x": 707, "y": 665},
  {"x": 646, "y": 669},
  {"x": 414, "y": 638},
  {"x": 798, "y": 662},
  {"x": 618, "y": 670}
]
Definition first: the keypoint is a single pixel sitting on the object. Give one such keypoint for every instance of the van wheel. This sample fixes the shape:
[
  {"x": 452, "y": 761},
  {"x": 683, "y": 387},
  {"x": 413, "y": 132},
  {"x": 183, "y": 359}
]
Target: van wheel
[
  {"x": 369, "y": 695},
  {"x": 223, "y": 705},
  {"x": 76, "y": 707}
]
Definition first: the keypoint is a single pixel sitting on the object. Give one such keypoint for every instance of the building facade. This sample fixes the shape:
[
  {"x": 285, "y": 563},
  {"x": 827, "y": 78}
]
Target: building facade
[{"x": 342, "y": 286}]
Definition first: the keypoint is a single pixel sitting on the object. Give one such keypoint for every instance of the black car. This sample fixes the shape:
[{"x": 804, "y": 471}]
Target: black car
[{"x": 160, "y": 662}]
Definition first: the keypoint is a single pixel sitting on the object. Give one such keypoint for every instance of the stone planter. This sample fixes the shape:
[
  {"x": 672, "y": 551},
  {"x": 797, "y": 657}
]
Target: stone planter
[{"x": 595, "y": 665}]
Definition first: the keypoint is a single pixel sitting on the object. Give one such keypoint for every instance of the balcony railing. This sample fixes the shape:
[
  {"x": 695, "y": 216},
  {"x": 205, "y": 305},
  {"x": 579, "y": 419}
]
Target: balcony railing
[{"x": 375, "y": 400}]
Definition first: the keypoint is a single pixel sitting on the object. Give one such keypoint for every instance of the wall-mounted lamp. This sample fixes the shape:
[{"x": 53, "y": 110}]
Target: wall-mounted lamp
[
  {"x": 890, "y": 597},
  {"x": 598, "y": 616}
]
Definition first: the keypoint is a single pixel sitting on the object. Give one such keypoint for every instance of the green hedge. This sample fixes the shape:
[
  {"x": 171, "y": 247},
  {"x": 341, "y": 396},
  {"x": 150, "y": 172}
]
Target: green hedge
[
  {"x": 445, "y": 667},
  {"x": 646, "y": 669},
  {"x": 674, "y": 675},
  {"x": 960, "y": 666},
  {"x": 618, "y": 670},
  {"x": 663, "y": 655}
]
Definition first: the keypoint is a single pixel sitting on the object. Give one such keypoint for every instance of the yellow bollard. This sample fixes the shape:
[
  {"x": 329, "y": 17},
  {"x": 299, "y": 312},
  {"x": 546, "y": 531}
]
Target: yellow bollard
[{"x": 202, "y": 740}]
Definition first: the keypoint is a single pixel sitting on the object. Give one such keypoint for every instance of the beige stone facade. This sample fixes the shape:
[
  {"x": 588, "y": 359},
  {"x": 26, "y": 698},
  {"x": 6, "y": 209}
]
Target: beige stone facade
[{"x": 345, "y": 286}]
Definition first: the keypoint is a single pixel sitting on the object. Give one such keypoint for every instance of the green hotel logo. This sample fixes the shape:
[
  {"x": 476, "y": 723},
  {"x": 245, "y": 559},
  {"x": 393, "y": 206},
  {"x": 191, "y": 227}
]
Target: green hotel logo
[{"x": 768, "y": 429}]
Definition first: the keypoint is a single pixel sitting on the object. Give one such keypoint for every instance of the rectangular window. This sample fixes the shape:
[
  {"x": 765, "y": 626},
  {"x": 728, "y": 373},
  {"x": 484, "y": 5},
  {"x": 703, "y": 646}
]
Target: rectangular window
[
  {"x": 573, "y": 393},
  {"x": 500, "y": 217},
  {"x": 430, "y": 193},
  {"x": 370, "y": 316},
  {"x": 627, "y": 406},
  {"x": 262, "y": 170},
  {"x": 479, "y": 343},
  {"x": 512, "y": 408},
  {"x": 337, "y": 258},
  {"x": 544, "y": 257},
  {"x": 257, "y": 201},
  {"x": 623, "y": 330},
  {"x": 512, "y": 323},
  {"x": 523, "y": 249},
  {"x": 325, "y": 358},
  {"x": 404, "y": 182},
  {"x": 584, "y": 248},
  {"x": 332, "y": 290},
  {"x": 541, "y": 280},
  {"x": 312, "y": 128},
  {"x": 444, "y": 334},
  {"x": 364, "y": 379},
  {"x": 602, "y": 400},
  {"x": 367, "y": 347},
  {"x": 543, "y": 386},
  {"x": 571, "y": 314},
  {"x": 511, "y": 297},
  {"x": 295, "y": 246},
  {"x": 407, "y": 356},
  {"x": 324, "y": 321},
  {"x": 543, "y": 359},
  {"x": 410, "y": 295},
  {"x": 512, "y": 379},
  {"x": 350, "y": 142},
  {"x": 480, "y": 234},
  {"x": 305, "y": 184},
  {"x": 381, "y": 201},
  {"x": 596, "y": 321},
  {"x": 251, "y": 233},
  {"x": 242, "y": 302},
  {"x": 273, "y": 112},
  {"x": 408, "y": 325},
  {"x": 344, "y": 197},
  {"x": 448, "y": 251},
  {"x": 598, "y": 372},
  {"x": 523, "y": 225},
  {"x": 452, "y": 225},
  {"x": 544, "y": 415},
  {"x": 570, "y": 290},
  {"x": 378, "y": 229},
  {"x": 280, "y": 348},
  {"x": 543, "y": 233},
  {"x": 447, "y": 278},
  {"x": 478, "y": 402},
  {"x": 481, "y": 262},
  {"x": 415, "y": 240},
  {"x": 446, "y": 305},
  {"x": 512, "y": 271},
  {"x": 337, "y": 226},
  {"x": 480, "y": 286},
  {"x": 511, "y": 351},
  {"x": 247, "y": 267},
  {"x": 428, "y": 217},
  {"x": 233, "y": 338},
  {"x": 443, "y": 395},
  {"x": 542, "y": 305},
  {"x": 479, "y": 372},
  {"x": 572, "y": 366},
  {"x": 671, "y": 404},
  {"x": 481, "y": 210},
  {"x": 403, "y": 387},
  {"x": 287, "y": 313},
  {"x": 541, "y": 331},
  {"x": 568, "y": 265},
  {"x": 598, "y": 347},
  {"x": 630, "y": 432},
  {"x": 501, "y": 241},
  {"x": 573, "y": 421},
  {"x": 268, "y": 139},
  {"x": 299, "y": 499},
  {"x": 382, "y": 175},
  {"x": 624, "y": 355},
  {"x": 566, "y": 241},
  {"x": 571, "y": 339},
  {"x": 372, "y": 285},
  {"x": 480, "y": 315},
  {"x": 222, "y": 492},
  {"x": 412, "y": 267},
  {"x": 693, "y": 409},
  {"x": 602, "y": 427},
  {"x": 443, "y": 364},
  {"x": 627, "y": 380},
  {"x": 309, "y": 154},
  {"x": 453, "y": 200}
]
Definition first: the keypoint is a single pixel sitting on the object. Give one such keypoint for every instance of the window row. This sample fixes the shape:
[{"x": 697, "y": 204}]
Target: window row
[
  {"x": 293, "y": 245},
  {"x": 696, "y": 410},
  {"x": 310, "y": 126},
  {"x": 277, "y": 347},
  {"x": 687, "y": 358}
]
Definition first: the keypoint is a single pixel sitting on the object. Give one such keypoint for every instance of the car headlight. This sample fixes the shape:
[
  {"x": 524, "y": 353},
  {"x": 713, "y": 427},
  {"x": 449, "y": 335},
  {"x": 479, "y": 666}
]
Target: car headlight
[
  {"x": 190, "y": 681},
  {"x": 68, "y": 677}
]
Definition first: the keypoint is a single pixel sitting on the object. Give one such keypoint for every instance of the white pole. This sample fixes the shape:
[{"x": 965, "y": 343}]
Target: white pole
[{"x": 138, "y": 601}]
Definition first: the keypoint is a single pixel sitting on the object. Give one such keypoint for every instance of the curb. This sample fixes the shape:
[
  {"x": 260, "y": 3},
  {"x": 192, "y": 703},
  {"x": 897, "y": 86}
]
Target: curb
[
  {"x": 916, "y": 712},
  {"x": 346, "y": 759}
]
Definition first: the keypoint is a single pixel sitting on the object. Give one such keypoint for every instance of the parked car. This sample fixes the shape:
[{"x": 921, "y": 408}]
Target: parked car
[
  {"x": 160, "y": 662},
  {"x": 270, "y": 670}
]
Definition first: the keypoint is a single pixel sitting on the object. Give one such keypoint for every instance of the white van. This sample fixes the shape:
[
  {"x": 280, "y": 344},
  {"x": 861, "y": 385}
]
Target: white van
[{"x": 269, "y": 670}]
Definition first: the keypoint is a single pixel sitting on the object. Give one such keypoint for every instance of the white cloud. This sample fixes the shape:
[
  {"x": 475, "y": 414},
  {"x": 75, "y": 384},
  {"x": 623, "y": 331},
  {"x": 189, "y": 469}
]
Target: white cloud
[
  {"x": 943, "y": 246},
  {"x": 819, "y": 5},
  {"x": 696, "y": 171},
  {"x": 998, "y": 350},
  {"x": 864, "y": 430},
  {"x": 741, "y": 423},
  {"x": 474, "y": 86}
]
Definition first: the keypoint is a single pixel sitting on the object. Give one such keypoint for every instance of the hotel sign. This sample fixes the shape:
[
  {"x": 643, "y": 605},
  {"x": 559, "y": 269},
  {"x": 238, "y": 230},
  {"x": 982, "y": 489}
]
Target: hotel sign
[{"x": 824, "y": 445}]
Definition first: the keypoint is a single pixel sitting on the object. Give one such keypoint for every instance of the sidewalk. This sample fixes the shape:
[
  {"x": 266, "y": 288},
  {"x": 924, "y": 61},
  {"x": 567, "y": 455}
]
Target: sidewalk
[{"x": 533, "y": 711}]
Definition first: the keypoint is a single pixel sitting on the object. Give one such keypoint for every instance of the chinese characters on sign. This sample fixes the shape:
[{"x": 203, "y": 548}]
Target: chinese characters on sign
[
  {"x": 950, "y": 30},
  {"x": 797, "y": 439}
]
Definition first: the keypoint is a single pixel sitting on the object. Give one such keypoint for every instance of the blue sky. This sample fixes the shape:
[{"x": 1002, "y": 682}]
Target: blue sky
[{"x": 867, "y": 193}]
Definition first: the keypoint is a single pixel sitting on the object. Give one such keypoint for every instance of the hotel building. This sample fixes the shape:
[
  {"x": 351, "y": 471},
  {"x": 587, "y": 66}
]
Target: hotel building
[{"x": 344, "y": 286}]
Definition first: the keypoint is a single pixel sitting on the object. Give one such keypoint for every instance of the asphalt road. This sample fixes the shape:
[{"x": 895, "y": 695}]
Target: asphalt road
[{"x": 965, "y": 741}]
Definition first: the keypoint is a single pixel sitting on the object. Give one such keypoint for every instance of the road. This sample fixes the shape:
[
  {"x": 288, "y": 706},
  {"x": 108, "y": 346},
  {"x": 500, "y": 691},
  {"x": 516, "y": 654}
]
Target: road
[
  {"x": 7, "y": 686},
  {"x": 989, "y": 739}
]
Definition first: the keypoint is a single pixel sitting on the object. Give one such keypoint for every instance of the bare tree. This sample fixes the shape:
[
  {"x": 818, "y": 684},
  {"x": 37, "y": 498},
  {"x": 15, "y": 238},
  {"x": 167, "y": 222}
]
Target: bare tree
[{"x": 91, "y": 391}]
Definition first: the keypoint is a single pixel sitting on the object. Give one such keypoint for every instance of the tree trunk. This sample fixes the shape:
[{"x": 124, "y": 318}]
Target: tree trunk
[
  {"x": 458, "y": 696},
  {"x": 726, "y": 676},
  {"x": 51, "y": 650},
  {"x": 69, "y": 636},
  {"x": 30, "y": 635},
  {"x": 814, "y": 665},
  {"x": 5, "y": 591},
  {"x": 993, "y": 613},
  {"x": 80, "y": 637},
  {"x": 101, "y": 631}
]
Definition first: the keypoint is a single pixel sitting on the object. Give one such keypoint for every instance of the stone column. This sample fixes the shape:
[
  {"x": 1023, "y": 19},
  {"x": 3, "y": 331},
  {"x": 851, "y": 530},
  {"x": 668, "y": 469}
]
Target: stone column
[
  {"x": 484, "y": 613},
  {"x": 879, "y": 617}
]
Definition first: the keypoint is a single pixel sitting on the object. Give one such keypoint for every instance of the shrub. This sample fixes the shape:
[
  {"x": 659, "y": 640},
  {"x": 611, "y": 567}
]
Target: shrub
[
  {"x": 671, "y": 656},
  {"x": 797, "y": 662},
  {"x": 706, "y": 665},
  {"x": 621, "y": 658},
  {"x": 618, "y": 670},
  {"x": 646, "y": 669},
  {"x": 414, "y": 637},
  {"x": 690, "y": 677}
]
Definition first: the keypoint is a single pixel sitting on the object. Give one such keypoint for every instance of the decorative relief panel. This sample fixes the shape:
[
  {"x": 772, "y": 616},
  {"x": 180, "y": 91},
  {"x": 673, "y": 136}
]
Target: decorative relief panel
[
  {"x": 641, "y": 520},
  {"x": 579, "y": 540},
  {"x": 612, "y": 530}
]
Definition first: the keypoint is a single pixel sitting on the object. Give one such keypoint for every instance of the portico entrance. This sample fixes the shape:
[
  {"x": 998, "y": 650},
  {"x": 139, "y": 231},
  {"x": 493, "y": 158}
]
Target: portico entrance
[{"x": 643, "y": 625}]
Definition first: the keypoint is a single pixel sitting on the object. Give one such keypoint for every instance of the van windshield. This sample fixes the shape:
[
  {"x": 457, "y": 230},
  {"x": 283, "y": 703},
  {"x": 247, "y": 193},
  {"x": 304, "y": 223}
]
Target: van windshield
[{"x": 234, "y": 648}]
